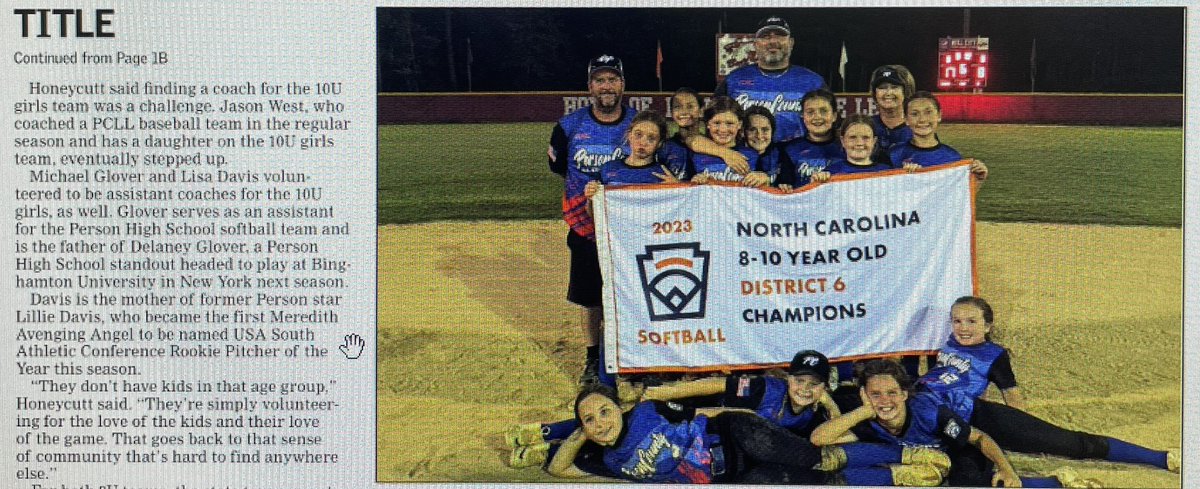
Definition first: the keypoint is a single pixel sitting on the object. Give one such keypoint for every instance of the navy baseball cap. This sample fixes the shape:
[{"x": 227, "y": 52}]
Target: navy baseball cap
[
  {"x": 773, "y": 23},
  {"x": 810, "y": 362},
  {"x": 886, "y": 74},
  {"x": 606, "y": 62}
]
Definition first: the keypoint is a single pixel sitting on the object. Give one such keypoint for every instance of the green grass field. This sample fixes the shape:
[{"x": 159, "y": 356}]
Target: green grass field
[{"x": 1081, "y": 175}]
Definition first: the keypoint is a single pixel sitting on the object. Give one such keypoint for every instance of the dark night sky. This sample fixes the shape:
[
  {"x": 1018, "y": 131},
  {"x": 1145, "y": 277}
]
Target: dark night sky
[{"x": 1117, "y": 50}]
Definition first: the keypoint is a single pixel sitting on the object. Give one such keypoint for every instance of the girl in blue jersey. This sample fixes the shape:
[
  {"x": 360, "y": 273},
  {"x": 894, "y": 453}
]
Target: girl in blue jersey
[
  {"x": 723, "y": 120},
  {"x": 891, "y": 86},
  {"x": 685, "y": 112},
  {"x": 689, "y": 136},
  {"x": 890, "y": 413},
  {"x": 798, "y": 402},
  {"x": 641, "y": 166},
  {"x": 667, "y": 443},
  {"x": 819, "y": 147},
  {"x": 923, "y": 114},
  {"x": 858, "y": 141},
  {"x": 759, "y": 127},
  {"x": 970, "y": 361}
]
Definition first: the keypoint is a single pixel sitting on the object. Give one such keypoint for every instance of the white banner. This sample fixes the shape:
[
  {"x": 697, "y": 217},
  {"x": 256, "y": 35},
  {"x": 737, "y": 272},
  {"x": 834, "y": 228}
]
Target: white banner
[{"x": 717, "y": 277}]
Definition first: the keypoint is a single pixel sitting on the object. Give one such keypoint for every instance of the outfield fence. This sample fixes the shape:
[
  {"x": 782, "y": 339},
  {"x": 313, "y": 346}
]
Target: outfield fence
[{"x": 1002, "y": 108}]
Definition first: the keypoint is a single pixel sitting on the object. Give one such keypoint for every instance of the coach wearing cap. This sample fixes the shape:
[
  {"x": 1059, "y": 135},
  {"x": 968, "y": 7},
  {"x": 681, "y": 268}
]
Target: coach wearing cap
[
  {"x": 581, "y": 143},
  {"x": 891, "y": 86},
  {"x": 772, "y": 81}
]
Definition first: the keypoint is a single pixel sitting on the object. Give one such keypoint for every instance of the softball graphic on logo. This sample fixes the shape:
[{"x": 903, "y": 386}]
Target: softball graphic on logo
[{"x": 674, "y": 280}]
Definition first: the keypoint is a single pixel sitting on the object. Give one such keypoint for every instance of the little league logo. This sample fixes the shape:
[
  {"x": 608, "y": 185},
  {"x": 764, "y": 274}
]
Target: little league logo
[{"x": 674, "y": 280}]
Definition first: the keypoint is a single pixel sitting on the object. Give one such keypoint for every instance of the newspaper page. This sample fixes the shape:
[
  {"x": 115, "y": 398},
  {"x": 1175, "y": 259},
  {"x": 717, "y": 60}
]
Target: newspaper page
[{"x": 205, "y": 287}]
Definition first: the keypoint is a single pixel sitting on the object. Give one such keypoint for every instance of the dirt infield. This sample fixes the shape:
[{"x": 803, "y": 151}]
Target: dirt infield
[{"x": 475, "y": 334}]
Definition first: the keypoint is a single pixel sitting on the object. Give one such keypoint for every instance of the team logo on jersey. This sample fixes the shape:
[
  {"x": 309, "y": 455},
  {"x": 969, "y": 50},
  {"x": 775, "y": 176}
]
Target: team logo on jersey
[
  {"x": 674, "y": 280},
  {"x": 952, "y": 429}
]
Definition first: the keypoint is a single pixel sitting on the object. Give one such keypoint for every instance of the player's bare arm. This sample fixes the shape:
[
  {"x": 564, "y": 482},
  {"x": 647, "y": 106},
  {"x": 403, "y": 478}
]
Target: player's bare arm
[
  {"x": 837, "y": 429},
  {"x": 733, "y": 159},
  {"x": 682, "y": 389},
  {"x": 563, "y": 463},
  {"x": 1006, "y": 475}
]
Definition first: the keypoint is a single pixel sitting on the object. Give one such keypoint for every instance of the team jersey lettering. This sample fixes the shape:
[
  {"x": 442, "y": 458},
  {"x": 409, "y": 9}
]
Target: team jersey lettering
[
  {"x": 773, "y": 102},
  {"x": 728, "y": 175},
  {"x": 590, "y": 158},
  {"x": 949, "y": 359},
  {"x": 804, "y": 169},
  {"x": 648, "y": 457}
]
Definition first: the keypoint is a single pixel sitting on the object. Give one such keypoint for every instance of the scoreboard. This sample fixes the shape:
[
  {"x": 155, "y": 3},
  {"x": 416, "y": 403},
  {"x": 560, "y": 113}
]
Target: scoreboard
[{"x": 963, "y": 63}]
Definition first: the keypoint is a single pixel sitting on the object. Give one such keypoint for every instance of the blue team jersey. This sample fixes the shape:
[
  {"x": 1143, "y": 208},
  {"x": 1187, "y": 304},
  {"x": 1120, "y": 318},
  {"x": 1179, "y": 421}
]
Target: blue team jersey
[
  {"x": 886, "y": 138},
  {"x": 653, "y": 449},
  {"x": 768, "y": 398},
  {"x": 844, "y": 167},
  {"x": 937, "y": 155},
  {"x": 778, "y": 92},
  {"x": 618, "y": 172},
  {"x": 930, "y": 423},
  {"x": 808, "y": 157},
  {"x": 776, "y": 407},
  {"x": 716, "y": 167},
  {"x": 589, "y": 145},
  {"x": 675, "y": 155},
  {"x": 965, "y": 369}
]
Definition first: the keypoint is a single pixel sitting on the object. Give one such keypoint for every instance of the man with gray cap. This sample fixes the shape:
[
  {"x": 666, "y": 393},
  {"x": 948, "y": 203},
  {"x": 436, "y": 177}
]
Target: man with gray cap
[
  {"x": 581, "y": 143},
  {"x": 772, "y": 81}
]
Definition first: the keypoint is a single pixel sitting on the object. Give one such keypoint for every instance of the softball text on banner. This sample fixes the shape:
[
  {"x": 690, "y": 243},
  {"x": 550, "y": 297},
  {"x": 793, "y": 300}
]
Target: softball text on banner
[{"x": 716, "y": 277}]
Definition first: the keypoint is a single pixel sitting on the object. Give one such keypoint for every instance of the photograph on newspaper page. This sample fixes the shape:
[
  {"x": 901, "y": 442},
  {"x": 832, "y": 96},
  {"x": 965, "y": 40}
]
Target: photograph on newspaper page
[{"x": 684, "y": 211}]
